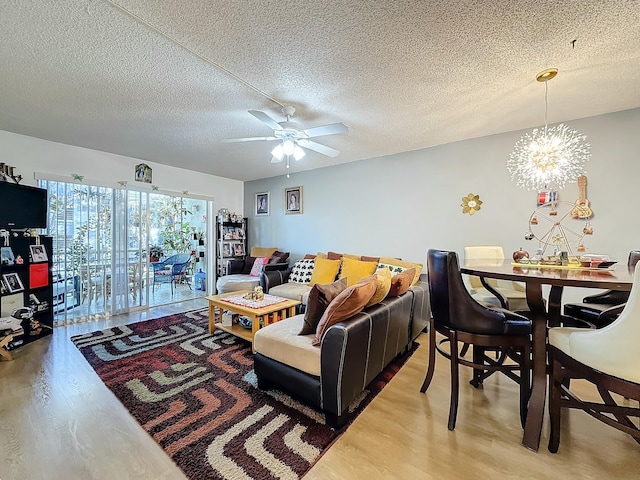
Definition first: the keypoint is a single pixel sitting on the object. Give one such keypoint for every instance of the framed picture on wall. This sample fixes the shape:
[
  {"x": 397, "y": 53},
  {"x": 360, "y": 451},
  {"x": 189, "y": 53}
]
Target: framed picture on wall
[
  {"x": 13, "y": 282},
  {"x": 262, "y": 203},
  {"x": 293, "y": 200}
]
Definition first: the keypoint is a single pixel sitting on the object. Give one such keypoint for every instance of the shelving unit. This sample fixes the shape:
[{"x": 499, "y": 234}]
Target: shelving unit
[
  {"x": 36, "y": 291},
  {"x": 231, "y": 242}
]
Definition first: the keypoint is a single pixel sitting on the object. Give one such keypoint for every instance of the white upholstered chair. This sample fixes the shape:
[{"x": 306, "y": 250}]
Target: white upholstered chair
[
  {"x": 513, "y": 293},
  {"x": 609, "y": 358}
]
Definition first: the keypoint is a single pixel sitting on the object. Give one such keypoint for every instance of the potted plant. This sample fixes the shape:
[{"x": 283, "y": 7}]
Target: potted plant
[{"x": 155, "y": 252}]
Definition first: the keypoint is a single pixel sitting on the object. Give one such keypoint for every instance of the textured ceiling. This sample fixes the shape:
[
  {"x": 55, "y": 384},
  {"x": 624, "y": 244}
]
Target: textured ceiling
[{"x": 402, "y": 75}]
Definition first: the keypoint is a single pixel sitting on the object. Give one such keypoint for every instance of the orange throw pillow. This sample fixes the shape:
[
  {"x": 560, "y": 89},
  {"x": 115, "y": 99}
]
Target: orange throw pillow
[
  {"x": 401, "y": 282},
  {"x": 345, "y": 305}
]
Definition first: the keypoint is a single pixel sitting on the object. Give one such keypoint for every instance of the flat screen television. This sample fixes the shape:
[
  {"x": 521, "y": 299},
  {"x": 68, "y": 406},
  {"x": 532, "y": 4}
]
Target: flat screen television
[{"x": 22, "y": 206}]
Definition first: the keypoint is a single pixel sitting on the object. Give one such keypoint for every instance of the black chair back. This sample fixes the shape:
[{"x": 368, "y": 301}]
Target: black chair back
[{"x": 451, "y": 304}]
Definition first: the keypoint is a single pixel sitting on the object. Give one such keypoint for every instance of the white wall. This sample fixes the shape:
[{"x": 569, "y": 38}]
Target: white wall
[
  {"x": 29, "y": 155},
  {"x": 402, "y": 205}
]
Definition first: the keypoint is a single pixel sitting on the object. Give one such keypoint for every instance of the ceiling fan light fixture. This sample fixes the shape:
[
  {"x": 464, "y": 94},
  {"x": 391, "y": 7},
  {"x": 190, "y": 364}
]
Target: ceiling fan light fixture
[
  {"x": 288, "y": 147},
  {"x": 278, "y": 152},
  {"x": 298, "y": 153}
]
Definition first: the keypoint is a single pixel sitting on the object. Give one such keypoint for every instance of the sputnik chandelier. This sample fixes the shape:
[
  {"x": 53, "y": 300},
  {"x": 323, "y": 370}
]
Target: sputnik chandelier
[{"x": 548, "y": 157}]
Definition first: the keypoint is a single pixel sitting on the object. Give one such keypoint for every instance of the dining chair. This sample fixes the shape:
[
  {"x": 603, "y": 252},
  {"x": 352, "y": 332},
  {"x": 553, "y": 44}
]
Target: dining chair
[
  {"x": 603, "y": 308},
  {"x": 460, "y": 318},
  {"x": 501, "y": 293},
  {"x": 608, "y": 358}
]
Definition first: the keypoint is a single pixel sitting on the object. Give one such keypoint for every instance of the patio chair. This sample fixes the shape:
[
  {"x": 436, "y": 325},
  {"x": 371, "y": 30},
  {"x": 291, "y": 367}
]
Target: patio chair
[{"x": 171, "y": 270}]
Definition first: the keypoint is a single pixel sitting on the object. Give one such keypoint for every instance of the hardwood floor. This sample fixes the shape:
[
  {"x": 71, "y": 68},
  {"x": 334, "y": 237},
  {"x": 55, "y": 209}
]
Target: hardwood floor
[{"x": 58, "y": 421}]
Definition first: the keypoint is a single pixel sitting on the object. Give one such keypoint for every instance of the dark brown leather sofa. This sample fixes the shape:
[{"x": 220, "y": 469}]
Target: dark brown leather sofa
[{"x": 352, "y": 353}]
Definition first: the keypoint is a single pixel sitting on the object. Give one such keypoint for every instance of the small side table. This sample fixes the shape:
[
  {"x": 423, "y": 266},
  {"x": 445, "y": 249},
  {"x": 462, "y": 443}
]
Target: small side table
[{"x": 4, "y": 341}]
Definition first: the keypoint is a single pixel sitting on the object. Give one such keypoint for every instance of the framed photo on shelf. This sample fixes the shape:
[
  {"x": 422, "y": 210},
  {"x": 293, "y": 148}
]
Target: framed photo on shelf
[
  {"x": 38, "y": 253},
  {"x": 13, "y": 282},
  {"x": 293, "y": 200},
  {"x": 3, "y": 287},
  {"x": 262, "y": 204},
  {"x": 226, "y": 250},
  {"x": 7, "y": 256},
  {"x": 238, "y": 250}
]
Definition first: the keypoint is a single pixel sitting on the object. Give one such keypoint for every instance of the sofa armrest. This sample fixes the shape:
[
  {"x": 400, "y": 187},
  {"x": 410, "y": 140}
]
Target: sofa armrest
[
  {"x": 355, "y": 351},
  {"x": 272, "y": 278},
  {"x": 270, "y": 267},
  {"x": 234, "y": 266}
]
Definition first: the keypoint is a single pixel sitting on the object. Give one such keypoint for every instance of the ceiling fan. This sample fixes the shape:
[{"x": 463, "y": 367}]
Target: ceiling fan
[{"x": 293, "y": 136}]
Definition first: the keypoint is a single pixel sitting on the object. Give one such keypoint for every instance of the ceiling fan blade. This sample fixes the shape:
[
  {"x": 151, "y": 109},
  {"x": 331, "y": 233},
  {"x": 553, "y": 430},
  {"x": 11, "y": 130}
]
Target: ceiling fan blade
[
  {"x": 247, "y": 139},
  {"x": 317, "y": 147},
  {"x": 264, "y": 118},
  {"x": 276, "y": 159},
  {"x": 330, "y": 129}
]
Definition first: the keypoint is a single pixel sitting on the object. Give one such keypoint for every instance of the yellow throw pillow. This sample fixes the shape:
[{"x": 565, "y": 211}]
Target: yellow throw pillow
[
  {"x": 401, "y": 263},
  {"x": 383, "y": 279},
  {"x": 356, "y": 270},
  {"x": 325, "y": 271}
]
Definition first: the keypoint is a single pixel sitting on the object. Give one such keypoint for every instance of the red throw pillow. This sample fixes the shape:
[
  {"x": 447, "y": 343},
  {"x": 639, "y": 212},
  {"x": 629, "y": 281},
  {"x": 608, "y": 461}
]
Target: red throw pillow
[{"x": 349, "y": 302}]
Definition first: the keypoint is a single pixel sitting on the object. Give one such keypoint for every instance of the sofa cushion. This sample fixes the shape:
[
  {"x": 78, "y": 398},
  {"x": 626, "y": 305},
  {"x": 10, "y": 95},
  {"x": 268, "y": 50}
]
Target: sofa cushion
[
  {"x": 235, "y": 282},
  {"x": 258, "y": 263},
  {"x": 291, "y": 290},
  {"x": 280, "y": 341},
  {"x": 383, "y": 285},
  {"x": 355, "y": 270},
  {"x": 400, "y": 263},
  {"x": 279, "y": 257},
  {"x": 324, "y": 271},
  {"x": 401, "y": 282},
  {"x": 302, "y": 271},
  {"x": 364, "y": 258},
  {"x": 349, "y": 302},
  {"x": 248, "y": 265},
  {"x": 263, "y": 251},
  {"x": 320, "y": 296}
]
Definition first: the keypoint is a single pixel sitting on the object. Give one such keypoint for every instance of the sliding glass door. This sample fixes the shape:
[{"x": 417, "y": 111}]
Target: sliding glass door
[{"x": 101, "y": 245}]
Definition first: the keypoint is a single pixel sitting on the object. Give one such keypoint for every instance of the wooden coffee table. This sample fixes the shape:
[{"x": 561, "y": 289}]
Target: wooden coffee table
[{"x": 259, "y": 316}]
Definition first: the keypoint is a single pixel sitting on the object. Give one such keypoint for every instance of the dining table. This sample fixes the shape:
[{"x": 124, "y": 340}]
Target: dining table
[{"x": 544, "y": 312}]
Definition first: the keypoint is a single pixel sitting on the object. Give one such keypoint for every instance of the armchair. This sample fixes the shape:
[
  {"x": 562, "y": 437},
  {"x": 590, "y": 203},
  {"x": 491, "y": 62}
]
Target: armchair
[{"x": 171, "y": 270}]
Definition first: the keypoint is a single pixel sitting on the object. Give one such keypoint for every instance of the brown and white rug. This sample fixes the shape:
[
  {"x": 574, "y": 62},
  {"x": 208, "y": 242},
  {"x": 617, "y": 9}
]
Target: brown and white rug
[{"x": 196, "y": 395}]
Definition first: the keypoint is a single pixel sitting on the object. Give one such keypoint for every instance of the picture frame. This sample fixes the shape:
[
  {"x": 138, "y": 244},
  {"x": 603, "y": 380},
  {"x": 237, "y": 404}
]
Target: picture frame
[
  {"x": 238, "y": 250},
  {"x": 3, "y": 287},
  {"x": 293, "y": 200},
  {"x": 13, "y": 282},
  {"x": 7, "y": 256},
  {"x": 226, "y": 250},
  {"x": 262, "y": 204},
  {"x": 143, "y": 173},
  {"x": 38, "y": 253}
]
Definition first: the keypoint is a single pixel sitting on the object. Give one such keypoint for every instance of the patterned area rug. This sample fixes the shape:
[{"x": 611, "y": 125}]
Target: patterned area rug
[{"x": 196, "y": 395}]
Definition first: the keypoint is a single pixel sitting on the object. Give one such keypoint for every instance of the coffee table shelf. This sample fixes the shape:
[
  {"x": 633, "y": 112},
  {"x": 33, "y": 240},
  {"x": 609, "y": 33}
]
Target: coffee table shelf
[{"x": 259, "y": 316}]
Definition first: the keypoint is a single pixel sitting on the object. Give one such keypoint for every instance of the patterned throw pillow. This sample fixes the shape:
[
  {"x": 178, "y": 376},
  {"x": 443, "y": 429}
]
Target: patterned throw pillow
[
  {"x": 394, "y": 269},
  {"x": 257, "y": 266},
  {"x": 302, "y": 271}
]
